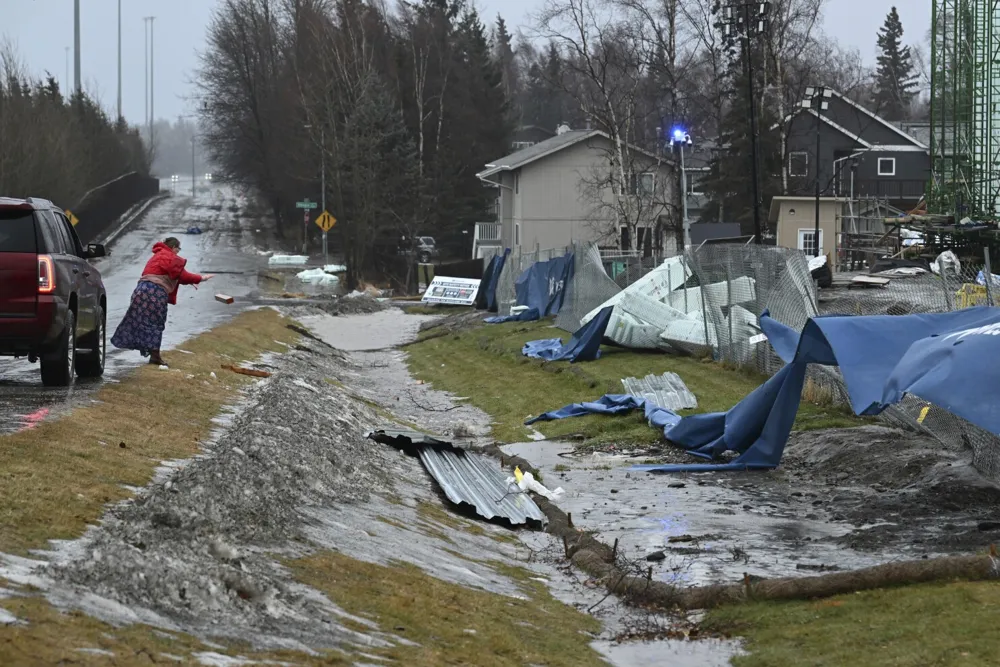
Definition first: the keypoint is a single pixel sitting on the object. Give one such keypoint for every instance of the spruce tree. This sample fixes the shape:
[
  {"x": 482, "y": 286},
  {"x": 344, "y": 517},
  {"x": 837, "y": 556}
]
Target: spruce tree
[{"x": 895, "y": 84}]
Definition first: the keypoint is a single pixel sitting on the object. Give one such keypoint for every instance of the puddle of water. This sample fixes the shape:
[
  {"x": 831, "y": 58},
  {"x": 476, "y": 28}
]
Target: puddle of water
[
  {"x": 675, "y": 653},
  {"x": 700, "y": 530}
]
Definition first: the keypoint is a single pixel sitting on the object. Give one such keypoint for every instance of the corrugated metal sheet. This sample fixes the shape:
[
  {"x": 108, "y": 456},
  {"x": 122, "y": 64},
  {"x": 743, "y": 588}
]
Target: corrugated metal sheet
[
  {"x": 472, "y": 479},
  {"x": 666, "y": 391}
]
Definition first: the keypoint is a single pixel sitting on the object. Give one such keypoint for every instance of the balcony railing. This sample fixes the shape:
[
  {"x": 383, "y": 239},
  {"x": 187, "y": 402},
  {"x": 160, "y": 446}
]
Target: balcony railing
[
  {"x": 884, "y": 188},
  {"x": 487, "y": 235}
]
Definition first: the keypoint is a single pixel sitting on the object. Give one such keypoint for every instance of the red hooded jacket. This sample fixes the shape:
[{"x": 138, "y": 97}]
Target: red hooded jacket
[{"x": 167, "y": 270}]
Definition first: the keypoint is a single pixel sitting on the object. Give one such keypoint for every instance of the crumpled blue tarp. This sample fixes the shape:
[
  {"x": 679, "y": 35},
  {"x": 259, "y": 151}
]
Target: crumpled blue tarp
[
  {"x": 529, "y": 315},
  {"x": 583, "y": 345},
  {"x": 936, "y": 356},
  {"x": 487, "y": 297},
  {"x": 543, "y": 285}
]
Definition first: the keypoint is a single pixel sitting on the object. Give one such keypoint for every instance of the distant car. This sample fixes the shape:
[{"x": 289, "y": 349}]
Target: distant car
[
  {"x": 53, "y": 305},
  {"x": 426, "y": 248}
]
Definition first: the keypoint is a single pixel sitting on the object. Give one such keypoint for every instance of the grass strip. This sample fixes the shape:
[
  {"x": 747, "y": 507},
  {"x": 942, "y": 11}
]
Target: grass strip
[
  {"x": 486, "y": 365},
  {"x": 915, "y": 626},
  {"x": 55, "y": 479},
  {"x": 451, "y": 624}
]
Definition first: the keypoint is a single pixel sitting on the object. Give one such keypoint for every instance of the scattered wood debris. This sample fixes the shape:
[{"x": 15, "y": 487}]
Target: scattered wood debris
[{"x": 246, "y": 371}]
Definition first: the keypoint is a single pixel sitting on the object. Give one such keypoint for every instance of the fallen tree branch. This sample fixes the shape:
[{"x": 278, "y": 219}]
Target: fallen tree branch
[
  {"x": 598, "y": 560},
  {"x": 246, "y": 371},
  {"x": 430, "y": 409}
]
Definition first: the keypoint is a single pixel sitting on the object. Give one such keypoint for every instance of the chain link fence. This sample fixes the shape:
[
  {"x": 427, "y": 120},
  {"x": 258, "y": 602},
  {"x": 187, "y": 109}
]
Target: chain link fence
[
  {"x": 721, "y": 291},
  {"x": 517, "y": 263}
]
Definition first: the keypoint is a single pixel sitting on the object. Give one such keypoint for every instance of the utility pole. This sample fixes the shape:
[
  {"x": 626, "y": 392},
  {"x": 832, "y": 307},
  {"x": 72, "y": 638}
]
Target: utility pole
[
  {"x": 77, "y": 85},
  {"x": 152, "y": 70},
  {"x": 119, "y": 60},
  {"x": 743, "y": 19},
  {"x": 193, "y": 178},
  {"x": 145, "y": 54},
  {"x": 816, "y": 101},
  {"x": 66, "y": 81},
  {"x": 322, "y": 162}
]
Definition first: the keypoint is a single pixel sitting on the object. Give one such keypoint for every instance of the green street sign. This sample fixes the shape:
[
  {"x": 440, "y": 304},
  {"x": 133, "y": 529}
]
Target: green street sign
[{"x": 306, "y": 204}]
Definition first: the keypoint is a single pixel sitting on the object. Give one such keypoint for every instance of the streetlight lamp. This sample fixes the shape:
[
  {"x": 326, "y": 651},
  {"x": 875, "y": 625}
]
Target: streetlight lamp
[
  {"x": 816, "y": 101},
  {"x": 680, "y": 139},
  {"x": 743, "y": 19}
]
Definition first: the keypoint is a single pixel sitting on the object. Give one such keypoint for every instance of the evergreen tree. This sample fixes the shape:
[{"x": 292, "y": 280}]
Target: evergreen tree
[
  {"x": 730, "y": 176},
  {"x": 895, "y": 83}
]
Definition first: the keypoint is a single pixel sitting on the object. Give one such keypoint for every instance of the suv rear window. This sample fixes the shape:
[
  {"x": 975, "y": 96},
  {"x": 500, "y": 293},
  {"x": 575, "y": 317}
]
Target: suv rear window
[{"x": 17, "y": 231}]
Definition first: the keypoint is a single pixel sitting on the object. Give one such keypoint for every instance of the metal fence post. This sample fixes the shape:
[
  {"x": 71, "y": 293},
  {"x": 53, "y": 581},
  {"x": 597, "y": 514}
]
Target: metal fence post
[
  {"x": 944, "y": 284},
  {"x": 729, "y": 304},
  {"x": 989, "y": 277}
]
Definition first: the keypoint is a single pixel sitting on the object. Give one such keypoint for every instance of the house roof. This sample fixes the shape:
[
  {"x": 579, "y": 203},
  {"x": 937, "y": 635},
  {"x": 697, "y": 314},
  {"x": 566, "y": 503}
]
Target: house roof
[
  {"x": 545, "y": 148},
  {"x": 895, "y": 128}
]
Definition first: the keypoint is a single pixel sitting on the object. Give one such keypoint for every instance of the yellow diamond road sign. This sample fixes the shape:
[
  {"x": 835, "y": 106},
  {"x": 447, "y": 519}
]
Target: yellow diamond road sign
[
  {"x": 325, "y": 221},
  {"x": 72, "y": 218}
]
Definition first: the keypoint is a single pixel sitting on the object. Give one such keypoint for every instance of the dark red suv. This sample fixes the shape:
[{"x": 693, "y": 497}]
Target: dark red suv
[{"x": 52, "y": 301}]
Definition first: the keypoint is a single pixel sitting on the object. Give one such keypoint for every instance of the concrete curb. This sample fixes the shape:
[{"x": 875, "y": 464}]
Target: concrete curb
[{"x": 133, "y": 216}]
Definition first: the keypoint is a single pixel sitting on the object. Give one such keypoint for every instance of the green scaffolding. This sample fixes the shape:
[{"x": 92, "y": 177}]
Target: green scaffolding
[{"x": 965, "y": 108}]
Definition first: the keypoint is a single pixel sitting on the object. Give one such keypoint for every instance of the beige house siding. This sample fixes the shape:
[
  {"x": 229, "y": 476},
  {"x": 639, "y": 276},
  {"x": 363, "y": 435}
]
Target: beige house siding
[
  {"x": 555, "y": 203},
  {"x": 795, "y": 214}
]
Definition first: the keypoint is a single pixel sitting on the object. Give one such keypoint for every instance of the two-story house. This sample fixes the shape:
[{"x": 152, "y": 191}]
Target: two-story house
[
  {"x": 559, "y": 191},
  {"x": 861, "y": 154},
  {"x": 861, "y": 157}
]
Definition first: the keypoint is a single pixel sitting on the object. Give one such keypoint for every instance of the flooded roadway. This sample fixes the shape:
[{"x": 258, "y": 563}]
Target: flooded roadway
[{"x": 225, "y": 247}]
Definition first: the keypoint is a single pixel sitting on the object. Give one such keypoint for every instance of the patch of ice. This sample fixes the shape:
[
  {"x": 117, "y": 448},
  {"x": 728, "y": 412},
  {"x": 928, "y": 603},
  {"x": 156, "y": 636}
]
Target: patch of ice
[
  {"x": 305, "y": 385},
  {"x": 96, "y": 651},
  {"x": 7, "y": 618},
  {"x": 212, "y": 659},
  {"x": 334, "y": 268}
]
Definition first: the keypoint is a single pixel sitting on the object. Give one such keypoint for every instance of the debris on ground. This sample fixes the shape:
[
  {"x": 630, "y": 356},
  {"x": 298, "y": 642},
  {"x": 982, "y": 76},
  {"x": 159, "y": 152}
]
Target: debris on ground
[
  {"x": 224, "y": 298},
  {"x": 252, "y": 372},
  {"x": 278, "y": 260},
  {"x": 469, "y": 479},
  {"x": 665, "y": 391},
  {"x": 317, "y": 277}
]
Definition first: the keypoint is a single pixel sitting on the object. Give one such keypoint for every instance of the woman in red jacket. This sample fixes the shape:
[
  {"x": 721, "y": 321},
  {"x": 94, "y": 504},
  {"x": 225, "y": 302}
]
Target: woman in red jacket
[{"x": 143, "y": 324}]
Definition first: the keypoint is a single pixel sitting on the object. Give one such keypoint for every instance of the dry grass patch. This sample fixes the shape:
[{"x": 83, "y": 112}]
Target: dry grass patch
[
  {"x": 451, "y": 624},
  {"x": 48, "y": 636},
  {"x": 56, "y": 479}
]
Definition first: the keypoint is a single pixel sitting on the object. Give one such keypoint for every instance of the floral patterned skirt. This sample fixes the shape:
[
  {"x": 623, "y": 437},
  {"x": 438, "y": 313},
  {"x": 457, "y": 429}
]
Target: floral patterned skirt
[{"x": 142, "y": 327}]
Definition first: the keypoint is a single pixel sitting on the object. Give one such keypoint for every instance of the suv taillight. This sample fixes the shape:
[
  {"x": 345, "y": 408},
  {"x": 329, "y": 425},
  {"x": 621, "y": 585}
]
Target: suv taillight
[{"x": 46, "y": 275}]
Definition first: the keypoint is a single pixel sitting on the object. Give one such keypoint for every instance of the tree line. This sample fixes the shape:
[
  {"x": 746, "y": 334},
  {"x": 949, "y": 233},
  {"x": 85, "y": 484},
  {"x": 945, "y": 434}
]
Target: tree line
[
  {"x": 404, "y": 103},
  {"x": 58, "y": 146}
]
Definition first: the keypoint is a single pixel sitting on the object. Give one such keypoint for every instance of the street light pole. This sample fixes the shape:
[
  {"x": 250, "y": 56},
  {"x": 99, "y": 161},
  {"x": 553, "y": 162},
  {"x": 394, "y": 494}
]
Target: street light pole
[
  {"x": 78, "y": 84},
  {"x": 680, "y": 138},
  {"x": 119, "y": 60},
  {"x": 816, "y": 101}
]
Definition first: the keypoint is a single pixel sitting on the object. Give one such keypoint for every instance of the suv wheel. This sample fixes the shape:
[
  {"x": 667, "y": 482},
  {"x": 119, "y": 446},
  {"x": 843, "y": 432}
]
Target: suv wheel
[
  {"x": 59, "y": 365},
  {"x": 91, "y": 364}
]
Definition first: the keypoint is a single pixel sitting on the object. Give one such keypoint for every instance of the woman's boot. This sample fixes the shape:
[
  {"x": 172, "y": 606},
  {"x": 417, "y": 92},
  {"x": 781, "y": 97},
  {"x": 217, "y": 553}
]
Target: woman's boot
[{"x": 156, "y": 359}]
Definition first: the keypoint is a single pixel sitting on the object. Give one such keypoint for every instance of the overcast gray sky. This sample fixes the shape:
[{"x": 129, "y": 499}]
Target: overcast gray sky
[{"x": 42, "y": 29}]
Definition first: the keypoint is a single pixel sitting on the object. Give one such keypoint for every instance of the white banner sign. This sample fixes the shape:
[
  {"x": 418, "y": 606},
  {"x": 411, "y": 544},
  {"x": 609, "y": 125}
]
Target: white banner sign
[{"x": 453, "y": 291}]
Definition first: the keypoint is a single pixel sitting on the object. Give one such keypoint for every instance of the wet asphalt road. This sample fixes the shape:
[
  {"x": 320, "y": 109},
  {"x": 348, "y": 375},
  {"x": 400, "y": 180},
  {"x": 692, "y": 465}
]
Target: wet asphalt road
[{"x": 225, "y": 247}]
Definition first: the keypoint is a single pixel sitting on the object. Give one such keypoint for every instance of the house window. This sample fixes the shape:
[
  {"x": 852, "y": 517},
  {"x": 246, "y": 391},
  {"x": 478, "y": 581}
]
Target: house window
[
  {"x": 643, "y": 184},
  {"x": 887, "y": 166},
  {"x": 798, "y": 163},
  {"x": 807, "y": 241},
  {"x": 517, "y": 234},
  {"x": 521, "y": 145},
  {"x": 694, "y": 183},
  {"x": 517, "y": 182},
  {"x": 625, "y": 238}
]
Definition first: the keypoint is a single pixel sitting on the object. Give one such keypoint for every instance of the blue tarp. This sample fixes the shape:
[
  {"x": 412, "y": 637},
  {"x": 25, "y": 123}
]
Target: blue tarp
[
  {"x": 543, "y": 285},
  {"x": 487, "y": 297},
  {"x": 529, "y": 315},
  {"x": 583, "y": 345},
  {"x": 936, "y": 356}
]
